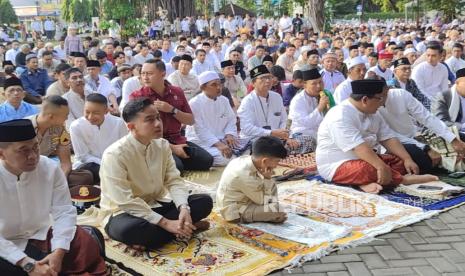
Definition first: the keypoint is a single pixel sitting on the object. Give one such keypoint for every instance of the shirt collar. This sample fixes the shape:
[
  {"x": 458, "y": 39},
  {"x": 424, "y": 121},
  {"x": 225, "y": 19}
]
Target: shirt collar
[{"x": 138, "y": 144}]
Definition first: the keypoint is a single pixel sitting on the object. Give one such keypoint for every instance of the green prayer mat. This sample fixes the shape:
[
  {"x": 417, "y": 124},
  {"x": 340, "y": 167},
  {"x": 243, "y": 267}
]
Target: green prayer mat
[{"x": 444, "y": 176}]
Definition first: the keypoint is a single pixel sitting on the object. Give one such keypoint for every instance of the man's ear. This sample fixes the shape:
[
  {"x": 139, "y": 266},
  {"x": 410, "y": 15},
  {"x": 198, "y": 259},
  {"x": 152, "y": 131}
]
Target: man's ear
[
  {"x": 2, "y": 155},
  {"x": 131, "y": 125}
]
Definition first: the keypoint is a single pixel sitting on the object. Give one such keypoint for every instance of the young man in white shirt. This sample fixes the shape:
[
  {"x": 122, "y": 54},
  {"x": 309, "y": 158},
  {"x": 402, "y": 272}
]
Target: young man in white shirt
[
  {"x": 93, "y": 133},
  {"x": 349, "y": 133},
  {"x": 382, "y": 69},
  {"x": 38, "y": 233},
  {"x": 308, "y": 107},
  {"x": 100, "y": 84},
  {"x": 331, "y": 77},
  {"x": 215, "y": 127},
  {"x": 455, "y": 62},
  {"x": 431, "y": 76},
  {"x": 200, "y": 63}
]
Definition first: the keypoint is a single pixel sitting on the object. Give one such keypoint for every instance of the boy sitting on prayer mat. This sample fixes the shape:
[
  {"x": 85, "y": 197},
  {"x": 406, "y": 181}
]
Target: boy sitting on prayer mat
[
  {"x": 348, "y": 136},
  {"x": 38, "y": 232},
  {"x": 246, "y": 192}
]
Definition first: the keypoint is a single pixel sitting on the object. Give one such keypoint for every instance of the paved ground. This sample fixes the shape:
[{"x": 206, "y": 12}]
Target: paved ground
[{"x": 432, "y": 247}]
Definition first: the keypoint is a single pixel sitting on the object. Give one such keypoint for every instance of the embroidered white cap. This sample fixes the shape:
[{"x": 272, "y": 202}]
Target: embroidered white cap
[
  {"x": 207, "y": 76},
  {"x": 355, "y": 61},
  {"x": 408, "y": 51}
]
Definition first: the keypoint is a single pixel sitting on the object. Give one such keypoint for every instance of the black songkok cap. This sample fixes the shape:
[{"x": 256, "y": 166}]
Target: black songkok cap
[
  {"x": 367, "y": 87},
  {"x": 258, "y": 71},
  {"x": 187, "y": 57},
  {"x": 12, "y": 82},
  {"x": 401, "y": 61},
  {"x": 460, "y": 73},
  {"x": 17, "y": 131},
  {"x": 311, "y": 74},
  {"x": 370, "y": 45},
  {"x": 267, "y": 58},
  {"x": 77, "y": 54},
  {"x": 353, "y": 47},
  {"x": 93, "y": 63},
  {"x": 226, "y": 63},
  {"x": 7, "y": 62}
]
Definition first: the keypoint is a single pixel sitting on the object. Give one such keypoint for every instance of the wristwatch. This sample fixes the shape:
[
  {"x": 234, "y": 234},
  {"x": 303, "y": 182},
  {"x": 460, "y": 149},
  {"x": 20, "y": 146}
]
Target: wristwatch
[
  {"x": 29, "y": 266},
  {"x": 174, "y": 111},
  {"x": 185, "y": 206}
]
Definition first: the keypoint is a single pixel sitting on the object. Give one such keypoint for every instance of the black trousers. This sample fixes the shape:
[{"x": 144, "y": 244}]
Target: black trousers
[
  {"x": 133, "y": 230},
  {"x": 94, "y": 168},
  {"x": 200, "y": 159},
  {"x": 420, "y": 157}
]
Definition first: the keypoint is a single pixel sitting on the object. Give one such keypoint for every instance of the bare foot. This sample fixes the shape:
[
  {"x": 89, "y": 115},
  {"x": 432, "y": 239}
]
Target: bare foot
[
  {"x": 417, "y": 179},
  {"x": 201, "y": 226},
  {"x": 372, "y": 188}
]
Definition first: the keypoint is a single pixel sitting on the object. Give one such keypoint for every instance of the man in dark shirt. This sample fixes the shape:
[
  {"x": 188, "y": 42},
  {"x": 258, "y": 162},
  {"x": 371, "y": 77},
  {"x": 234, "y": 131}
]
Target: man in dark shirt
[{"x": 174, "y": 112}]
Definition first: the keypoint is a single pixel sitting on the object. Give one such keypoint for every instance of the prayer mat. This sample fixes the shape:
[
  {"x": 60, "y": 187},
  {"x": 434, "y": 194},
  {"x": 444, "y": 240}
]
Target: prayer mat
[
  {"x": 304, "y": 230},
  {"x": 434, "y": 189},
  {"x": 225, "y": 249},
  {"x": 369, "y": 214},
  {"x": 209, "y": 178},
  {"x": 300, "y": 161},
  {"x": 426, "y": 204},
  {"x": 444, "y": 176}
]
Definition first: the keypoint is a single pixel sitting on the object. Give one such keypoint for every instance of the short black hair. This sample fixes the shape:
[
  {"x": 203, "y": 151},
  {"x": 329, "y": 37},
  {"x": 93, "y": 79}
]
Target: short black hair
[
  {"x": 159, "y": 64},
  {"x": 297, "y": 75},
  {"x": 97, "y": 98},
  {"x": 71, "y": 70},
  {"x": 200, "y": 51},
  {"x": 47, "y": 53},
  {"x": 62, "y": 67},
  {"x": 458, "y": 45},
  {"x": 269, "y": 146},
  {"x": 434, "y": 45},
  {"x": 133, "y": 107},
  {"x": 118, "y": 53},
  {"x": 278, "y": 72},
  {"x": 55, "y": 100}
]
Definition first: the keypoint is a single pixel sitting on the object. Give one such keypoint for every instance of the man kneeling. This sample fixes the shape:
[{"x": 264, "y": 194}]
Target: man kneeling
[
  {"x": 246, "y": 192},
  {"x": 136, "y": 174},
  {"x": 38, "y": 233}
]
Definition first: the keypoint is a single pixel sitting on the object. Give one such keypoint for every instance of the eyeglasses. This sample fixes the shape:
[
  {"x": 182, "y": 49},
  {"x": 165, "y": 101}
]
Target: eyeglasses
[{"x": 265, "y": 78}]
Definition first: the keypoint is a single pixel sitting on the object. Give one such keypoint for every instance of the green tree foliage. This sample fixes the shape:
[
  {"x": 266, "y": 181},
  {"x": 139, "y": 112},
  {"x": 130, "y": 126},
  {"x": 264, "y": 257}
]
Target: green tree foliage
[
  {"x": 7, "y": 13},
  {"x": 450, "y": 8},
  {"x": 76, "y": 10}
]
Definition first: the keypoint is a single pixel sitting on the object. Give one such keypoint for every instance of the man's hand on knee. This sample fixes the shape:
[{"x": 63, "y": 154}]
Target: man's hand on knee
[{"x": 172, "y": 226}]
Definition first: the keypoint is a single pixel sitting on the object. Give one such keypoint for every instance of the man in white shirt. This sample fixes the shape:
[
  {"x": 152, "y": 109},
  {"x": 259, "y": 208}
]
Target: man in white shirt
[
  {"x": 402, "y": 112},
  {"x": 76, "y": 94},
  {"x": 130, "y": 85},
  {"x": 382, "y": 69},
  {"x": 262, "y": 112},
  {"x": 38, "y": 233},
  {"x": 200, "y": 63},
  {"x": 287, "y": 61},
  {"x": 215, "y": 127},
  {"x": 10, "y": 55},
  {"x": 93, "y": 133},
  {"x": 143, "y": 55},
  {"x": 455, "y": 62},
  {"x": 431, "y": 76},
  {"x": 100, "y": 84},
  {"x": 308, "y": 107},
  {"x": 49, "y": 27},
  {"x": 285, "y": 25},
  {"x": 349, "y": 133},
  {"x": 356, "y": 71},
  {"x": 331, "y": 77},
  {"x": 184, "y": 79},
  {"x": 230, "y": 26}
]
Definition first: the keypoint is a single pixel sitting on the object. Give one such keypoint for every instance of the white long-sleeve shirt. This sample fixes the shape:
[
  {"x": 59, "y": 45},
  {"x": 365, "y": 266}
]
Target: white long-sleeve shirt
[
  {"x": 256, "y": 112},
  {"x": 90, "y": 141},
  {"x": 214, "y": 119},
  {"x": 305, "y": 116},
  {"x": 11, "y": 55},
  {"x": 332, "y": 79},
  {"x": 431, "y": 79},
  {"x": 104, "y": 86},
  {"x": 387, "y": 74},
  {"x": 30, "y": 205},
  {"x": 130, "y": 85},
  {"x": 402, "y": 110},
  {"x": 198, "y": 68},
  {"x": 343, "y": 91},
  {"x": 455, "y": 64}
]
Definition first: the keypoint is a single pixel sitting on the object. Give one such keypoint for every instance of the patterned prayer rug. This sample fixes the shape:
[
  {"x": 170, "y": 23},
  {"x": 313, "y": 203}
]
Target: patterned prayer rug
[
  {"x": 369, "y": 214},
  {"x": 300, "y": 161},
  {"x": 304, "y": 230},
  {"x": 425, "y": 203},
  {"x": 225, "y": 249}
]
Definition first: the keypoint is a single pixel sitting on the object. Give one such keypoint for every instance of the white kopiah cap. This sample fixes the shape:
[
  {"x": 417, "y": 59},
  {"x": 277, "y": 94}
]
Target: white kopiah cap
[{"x": 208, "y": 76}]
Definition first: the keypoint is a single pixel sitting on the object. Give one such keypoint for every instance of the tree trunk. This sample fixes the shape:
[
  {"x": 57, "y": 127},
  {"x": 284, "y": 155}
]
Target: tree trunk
[
  {"x": 175, "y": 8},
  {"x": 317, "y": 14}
]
